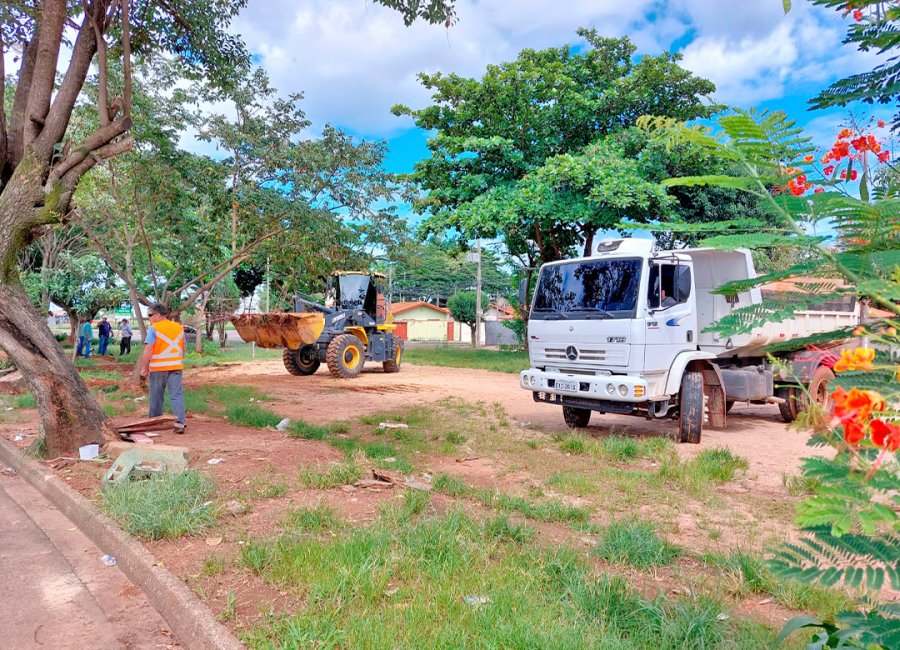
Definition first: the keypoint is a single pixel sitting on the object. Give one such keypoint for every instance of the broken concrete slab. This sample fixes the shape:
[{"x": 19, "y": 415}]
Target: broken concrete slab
[
  {"x": 13, "y": 382},
  {"x": 146, "y": 461}
]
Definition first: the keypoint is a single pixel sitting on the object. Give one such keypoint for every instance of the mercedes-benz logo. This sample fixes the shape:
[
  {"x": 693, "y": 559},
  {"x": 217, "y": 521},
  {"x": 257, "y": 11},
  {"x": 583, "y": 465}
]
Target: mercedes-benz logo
[{"x": 571, "y": 353}]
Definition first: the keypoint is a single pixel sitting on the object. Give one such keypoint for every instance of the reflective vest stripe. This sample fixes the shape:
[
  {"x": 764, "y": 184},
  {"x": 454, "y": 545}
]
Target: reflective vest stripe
[{"x": 167, "y": 352}]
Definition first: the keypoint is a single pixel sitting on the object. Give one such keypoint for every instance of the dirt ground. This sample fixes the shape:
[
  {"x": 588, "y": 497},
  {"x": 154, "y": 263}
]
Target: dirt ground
[
  {"x": 756, "y": 433},
  {"x": 254, "y": 458}
]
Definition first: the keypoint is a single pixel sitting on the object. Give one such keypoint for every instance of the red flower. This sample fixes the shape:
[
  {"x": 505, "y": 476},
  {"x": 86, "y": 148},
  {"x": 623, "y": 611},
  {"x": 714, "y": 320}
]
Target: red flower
[
  {"x": 818, "y": 190},
  {"x": 828, "y": 171},
  {"x": 844, "y": 174},
  {"x": 880, "y": 124},
  {"x": 884, "y": 156},
  {"x": 808, "y": 158},
  {"x": 859, "y": 143},
  {"x": 845, "y": 133},
  {"x": 853, "y": 175},
  {"x": 857, "y": 15},
  {"x": 885, "y": 434},
  {"x": 854, "y": 432}
]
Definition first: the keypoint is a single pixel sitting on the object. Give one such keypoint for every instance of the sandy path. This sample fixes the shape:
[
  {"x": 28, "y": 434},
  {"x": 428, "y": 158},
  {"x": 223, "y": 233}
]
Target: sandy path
[{"x": 756, "y": 433}]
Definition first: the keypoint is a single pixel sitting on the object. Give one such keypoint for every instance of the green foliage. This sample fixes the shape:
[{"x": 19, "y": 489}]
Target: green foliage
[
  {"x": 165, "y": 506},
  {"x": 336, "y": 475},
  {"x": 520, "y": 153},
  {"x": 251, "y": 415},
  {"x": 463, "y": 306}
]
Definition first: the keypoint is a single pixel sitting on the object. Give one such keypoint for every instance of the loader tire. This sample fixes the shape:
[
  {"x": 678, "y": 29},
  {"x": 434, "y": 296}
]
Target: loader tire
[
  {"x": 690, "y": 417},
  {"x": 393, "y": 365},
  {"x": 301, "y": 362},
  {"x": 346, "y": 356}
]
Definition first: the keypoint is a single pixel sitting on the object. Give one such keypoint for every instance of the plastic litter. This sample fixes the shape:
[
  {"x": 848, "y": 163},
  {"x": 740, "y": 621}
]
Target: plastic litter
[
  {"x": 283, "y": 425},
  {"x": 392, "y": 425},
  {"x": 108, "y": 560},
  {"x": 87, "y": 452},
  {"x": 477, "y": 601},
  {"x": 19, "y": 438},
  {"x": 215, "y": 461}
]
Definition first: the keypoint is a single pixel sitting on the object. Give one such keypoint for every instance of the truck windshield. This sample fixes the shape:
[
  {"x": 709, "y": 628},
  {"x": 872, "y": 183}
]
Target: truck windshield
[{"x": 588, "y": 289}]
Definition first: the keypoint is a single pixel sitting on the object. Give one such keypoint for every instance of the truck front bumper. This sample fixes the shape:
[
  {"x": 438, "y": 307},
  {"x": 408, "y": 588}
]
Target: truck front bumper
[{"x": 608, "y": 388}]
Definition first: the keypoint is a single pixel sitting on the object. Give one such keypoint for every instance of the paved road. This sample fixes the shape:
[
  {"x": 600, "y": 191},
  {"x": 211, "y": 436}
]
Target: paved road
[{"x": 54, "y": 590}]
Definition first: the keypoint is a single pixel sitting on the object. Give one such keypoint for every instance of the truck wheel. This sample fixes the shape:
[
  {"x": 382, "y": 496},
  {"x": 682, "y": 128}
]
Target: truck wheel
[
  {"x": 304, "y": 361},
  {"x": 690, "y": 418},
  {"x": 576, "y": 418},
  {"x": 728, "y": 405},
  {"x": 790, "y": 407},
  {"x": 818, "y": 387},
  {"x": 393, "y": 365},
  {"x": 345, "y": 356}
]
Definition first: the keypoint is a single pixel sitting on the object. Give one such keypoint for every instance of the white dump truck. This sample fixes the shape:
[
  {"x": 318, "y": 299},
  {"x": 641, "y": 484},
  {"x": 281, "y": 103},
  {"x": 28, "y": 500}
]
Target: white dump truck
[{"x": 624, "y": 332}]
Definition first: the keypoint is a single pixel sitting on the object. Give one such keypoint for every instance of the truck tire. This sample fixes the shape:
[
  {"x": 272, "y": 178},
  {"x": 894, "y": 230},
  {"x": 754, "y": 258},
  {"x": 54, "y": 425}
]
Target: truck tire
[
  {"x": 345, "y": 356},
  {"x": 690, "y": 417},
  {"x": 728, "y": 405},
  {"x": 393, "y": 365},
  {"x": 790, "y": 407},
  {"x": 818, "y": 387},
  {"x": 301, "y": 362},
  {"x": 576, "y": 418}
]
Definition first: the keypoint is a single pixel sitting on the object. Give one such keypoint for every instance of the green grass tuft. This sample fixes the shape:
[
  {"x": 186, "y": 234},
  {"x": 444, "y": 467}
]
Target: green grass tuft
[
  {"x": 573, "y": 444},
  {"x": 719, "y": 465},
  {"x": 165, "y": 506},
  {"x": 636, "y": 544},
  {"x": 213, "y": 565},
  {"x": 465, "y": 357},
  {"x": 336, "y": 475},
  {"x": 620, "y": 448},
  {"x": 251, "y": 415},
  {"x": 301, "y": 429},
  {"x": 310, "y": 520},
  {"x": 25, "y": 402}
]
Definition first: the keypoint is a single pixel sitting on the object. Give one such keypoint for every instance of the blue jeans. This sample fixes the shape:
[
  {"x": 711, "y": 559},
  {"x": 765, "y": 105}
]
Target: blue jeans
[
  {"x": 87, "y": 347},
  {"x": 163, "y": 380},
  {"x": 104, "y": 341},
  {"x": 80, "y": 347}
]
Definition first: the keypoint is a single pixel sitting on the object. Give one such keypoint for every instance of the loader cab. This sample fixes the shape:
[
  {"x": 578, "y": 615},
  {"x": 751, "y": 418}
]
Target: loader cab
[{"x": 359, "y": 291}]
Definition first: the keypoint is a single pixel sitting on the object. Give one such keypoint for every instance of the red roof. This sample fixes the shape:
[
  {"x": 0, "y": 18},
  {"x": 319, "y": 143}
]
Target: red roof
[{"x": 400, "y": 307}]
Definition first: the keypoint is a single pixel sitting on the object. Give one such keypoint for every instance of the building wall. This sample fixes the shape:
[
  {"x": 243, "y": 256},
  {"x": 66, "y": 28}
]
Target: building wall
[{"x": 427, "y": 330}]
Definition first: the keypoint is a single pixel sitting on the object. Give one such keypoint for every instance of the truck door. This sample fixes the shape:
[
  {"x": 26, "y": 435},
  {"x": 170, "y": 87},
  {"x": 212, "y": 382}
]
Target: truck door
[{"x": 671, "y": 315}]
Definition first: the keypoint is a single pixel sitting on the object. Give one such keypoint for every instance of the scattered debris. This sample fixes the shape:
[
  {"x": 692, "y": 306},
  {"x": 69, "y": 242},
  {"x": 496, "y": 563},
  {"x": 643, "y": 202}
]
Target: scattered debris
[
  {"x": 146, "y": 462},
  {"x": 467, "y": 459},
  {"x": 213, "y": 541},
  {"x": 87, "y": 452},
  {"x": 215, "y": 461},
  {"x": 374, "y": 484},
  {"x": 12, "y": 382},
  {"x": 477, "y": 601},
  {"x": 766, "y": 601},
  {"x": 236, "y": 508},
  {"x": 722, "y": 617},
  {"x": 141, "y": 398},
  {"x": 9, "y": 471},
  {"x": 283, "y": 425},
  {"x": 108, "y": 560},
  {"x": 389, "y": 459},
  {"x": 128, "y": 431},
  {"x": 417, "y": 485},
  {"x": 392, "y": 425},
  {"x": 18, "y": 438}
]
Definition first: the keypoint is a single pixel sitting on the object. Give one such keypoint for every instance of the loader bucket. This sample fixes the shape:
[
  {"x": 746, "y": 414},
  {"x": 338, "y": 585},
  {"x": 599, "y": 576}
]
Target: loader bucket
[{"x": 285, "y": 330}]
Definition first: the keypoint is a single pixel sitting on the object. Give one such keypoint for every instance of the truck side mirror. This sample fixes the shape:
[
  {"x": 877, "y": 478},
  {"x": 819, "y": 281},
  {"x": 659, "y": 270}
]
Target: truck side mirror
[{"x": 523, "y": 292}]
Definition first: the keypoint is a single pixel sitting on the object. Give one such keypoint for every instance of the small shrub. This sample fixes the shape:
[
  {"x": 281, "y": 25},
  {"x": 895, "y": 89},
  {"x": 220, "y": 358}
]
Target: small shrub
[
  {"x": 251, "y": 415},
  {"x": 213, "y": 565},
  {"x": 336, "y": 475},
  {"x": 300, "y": 429},
  {"x": 501, "y": 528},
  {"x": 454, "y": 438},
  {"x": 338, "y": 427},
  {"x": 636, "y": 544},
  {"x": 799, "y": 485},
  {"x": 620, "y": 448},
  {"x": 719, "y": 465},
  {"x": 25, "y": 402},
  {"x": 310, "y": 520},
  {"x": 165, "y": 506},
  {"x": 573, "y": 445}
]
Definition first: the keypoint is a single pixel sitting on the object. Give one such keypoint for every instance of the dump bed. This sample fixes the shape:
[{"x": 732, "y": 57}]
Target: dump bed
[{"x": 280, "y": 330}]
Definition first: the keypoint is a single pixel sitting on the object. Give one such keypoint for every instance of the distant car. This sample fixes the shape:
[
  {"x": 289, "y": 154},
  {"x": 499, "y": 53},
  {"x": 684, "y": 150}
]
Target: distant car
[{"x": 190, "y": 333}]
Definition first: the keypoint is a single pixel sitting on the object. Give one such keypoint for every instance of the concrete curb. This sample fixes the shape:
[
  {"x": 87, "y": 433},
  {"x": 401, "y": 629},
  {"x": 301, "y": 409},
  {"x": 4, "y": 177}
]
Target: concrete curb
[{"x": 194, "y": 625}]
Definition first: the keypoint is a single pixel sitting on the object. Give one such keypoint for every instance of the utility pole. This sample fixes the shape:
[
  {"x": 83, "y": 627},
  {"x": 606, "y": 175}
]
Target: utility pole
[
  {"x": 268, "y": 288},
  {"x": 478, "y": 313}
]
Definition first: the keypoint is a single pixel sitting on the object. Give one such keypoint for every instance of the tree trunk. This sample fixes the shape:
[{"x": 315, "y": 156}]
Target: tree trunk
[
  {"x": 474, "y": 334},
  {"x": 223, "y": 335},
  {"x": 589, "y": 241},
  {"x": 73, "y": 327},
  {"x": 70, "y": 416}
]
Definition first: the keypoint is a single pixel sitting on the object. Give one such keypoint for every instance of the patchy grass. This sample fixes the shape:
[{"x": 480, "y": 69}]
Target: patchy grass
[
  {"x": 636, "y": 544},
  {"x": 213, "y": 565},
  {"x": 213, "y": 355},
  {"x": 549, "y": 510},
  {"x": 252, "y": 415},
  {"x": 301, "y": 429},
  {"x": 573, "y": 444},
  {"x": 306, "y": 520},
  {"x": 747, "y": 575},
  {"x": 336, "y": 475},
  {"x": 573, "y": 483},
  {"x": 717, "y": 465},
  {"x": 463, "y": 357},
  {"x": 25, "y": 402},
  {"x": 800, "y": 485},
  {"x": 415, "y": 579},
  {"x": 165, "y": 506}
]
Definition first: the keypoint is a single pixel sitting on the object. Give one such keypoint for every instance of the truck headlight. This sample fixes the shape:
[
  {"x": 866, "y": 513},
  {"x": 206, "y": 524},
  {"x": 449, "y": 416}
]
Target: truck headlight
[
  {"x": 623, "y": 390},
  {"x": 611, "y": 389},
  {"x": 532, "y": 380}
]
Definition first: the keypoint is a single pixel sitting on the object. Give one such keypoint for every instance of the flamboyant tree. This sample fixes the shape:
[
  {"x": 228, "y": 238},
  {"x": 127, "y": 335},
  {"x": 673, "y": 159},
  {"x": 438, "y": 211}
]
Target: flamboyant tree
[{"x": 42, "y": 160}]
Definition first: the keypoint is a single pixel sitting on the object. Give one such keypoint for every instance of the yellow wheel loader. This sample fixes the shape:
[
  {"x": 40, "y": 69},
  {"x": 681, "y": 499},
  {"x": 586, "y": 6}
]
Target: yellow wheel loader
[{"x": 346, "y": 335}]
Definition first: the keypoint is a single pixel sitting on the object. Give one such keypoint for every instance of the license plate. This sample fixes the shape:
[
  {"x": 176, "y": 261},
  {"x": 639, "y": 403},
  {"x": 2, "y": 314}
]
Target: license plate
[{"x": 562, "y": 384}]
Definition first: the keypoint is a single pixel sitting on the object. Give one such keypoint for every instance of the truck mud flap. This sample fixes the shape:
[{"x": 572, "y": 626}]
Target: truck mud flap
[{"x": 604, "y": 406}]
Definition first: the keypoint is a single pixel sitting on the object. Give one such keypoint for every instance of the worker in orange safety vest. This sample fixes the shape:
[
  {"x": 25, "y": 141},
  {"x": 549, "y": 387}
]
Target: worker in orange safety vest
[{"x": 163, "y": 361}]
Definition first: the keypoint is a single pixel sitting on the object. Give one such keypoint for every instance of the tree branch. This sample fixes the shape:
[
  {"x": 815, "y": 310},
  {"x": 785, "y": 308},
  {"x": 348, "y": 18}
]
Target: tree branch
[
  {"x": 49, "y": 37},
  {"x": 126, "y": 58},
  {"x": 102, "y": 64},
  {"x": 3, "y": 137},
  {"x": 23, "y": 84},
  {"x": 90, "y": 145}
]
